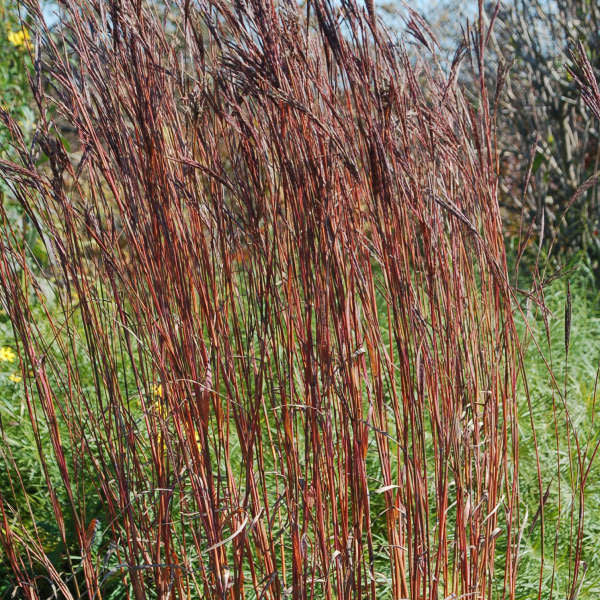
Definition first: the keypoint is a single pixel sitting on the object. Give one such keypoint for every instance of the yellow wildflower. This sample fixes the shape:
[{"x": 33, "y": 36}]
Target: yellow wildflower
[
  {"x": 15, "y": 378},
  {"x": 7, "y": 354},
  {"x": 161, "y": 409},
  {"x": 19, "y": 39}
]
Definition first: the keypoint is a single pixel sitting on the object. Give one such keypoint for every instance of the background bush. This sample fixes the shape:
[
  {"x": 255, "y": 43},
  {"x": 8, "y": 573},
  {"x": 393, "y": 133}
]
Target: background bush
[{"x": 548, "y": 139}]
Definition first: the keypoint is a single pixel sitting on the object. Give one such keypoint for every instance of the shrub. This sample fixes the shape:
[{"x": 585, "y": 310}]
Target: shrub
[{"x": 548, "y": 143}]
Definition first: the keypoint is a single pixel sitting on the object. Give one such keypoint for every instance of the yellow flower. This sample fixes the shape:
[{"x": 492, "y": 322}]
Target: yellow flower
[
  {"x": 19, "y": 39},
  {"x": 7, "y": 354},
  {"x": 159, "y": 406},
  {"x": 15, "y": 378},
  {"x": 160, "y": 409}
]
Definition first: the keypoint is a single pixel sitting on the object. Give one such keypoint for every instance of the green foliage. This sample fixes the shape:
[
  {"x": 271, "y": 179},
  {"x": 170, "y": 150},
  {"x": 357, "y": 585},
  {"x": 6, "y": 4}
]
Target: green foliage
[
  {"x": 16, "y": 47},
  {"x": 563, "y": 405}
]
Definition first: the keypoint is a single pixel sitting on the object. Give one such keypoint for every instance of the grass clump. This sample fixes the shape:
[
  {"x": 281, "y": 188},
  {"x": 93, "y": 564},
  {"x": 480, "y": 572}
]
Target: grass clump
[{"x": 273, "y": 324}]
